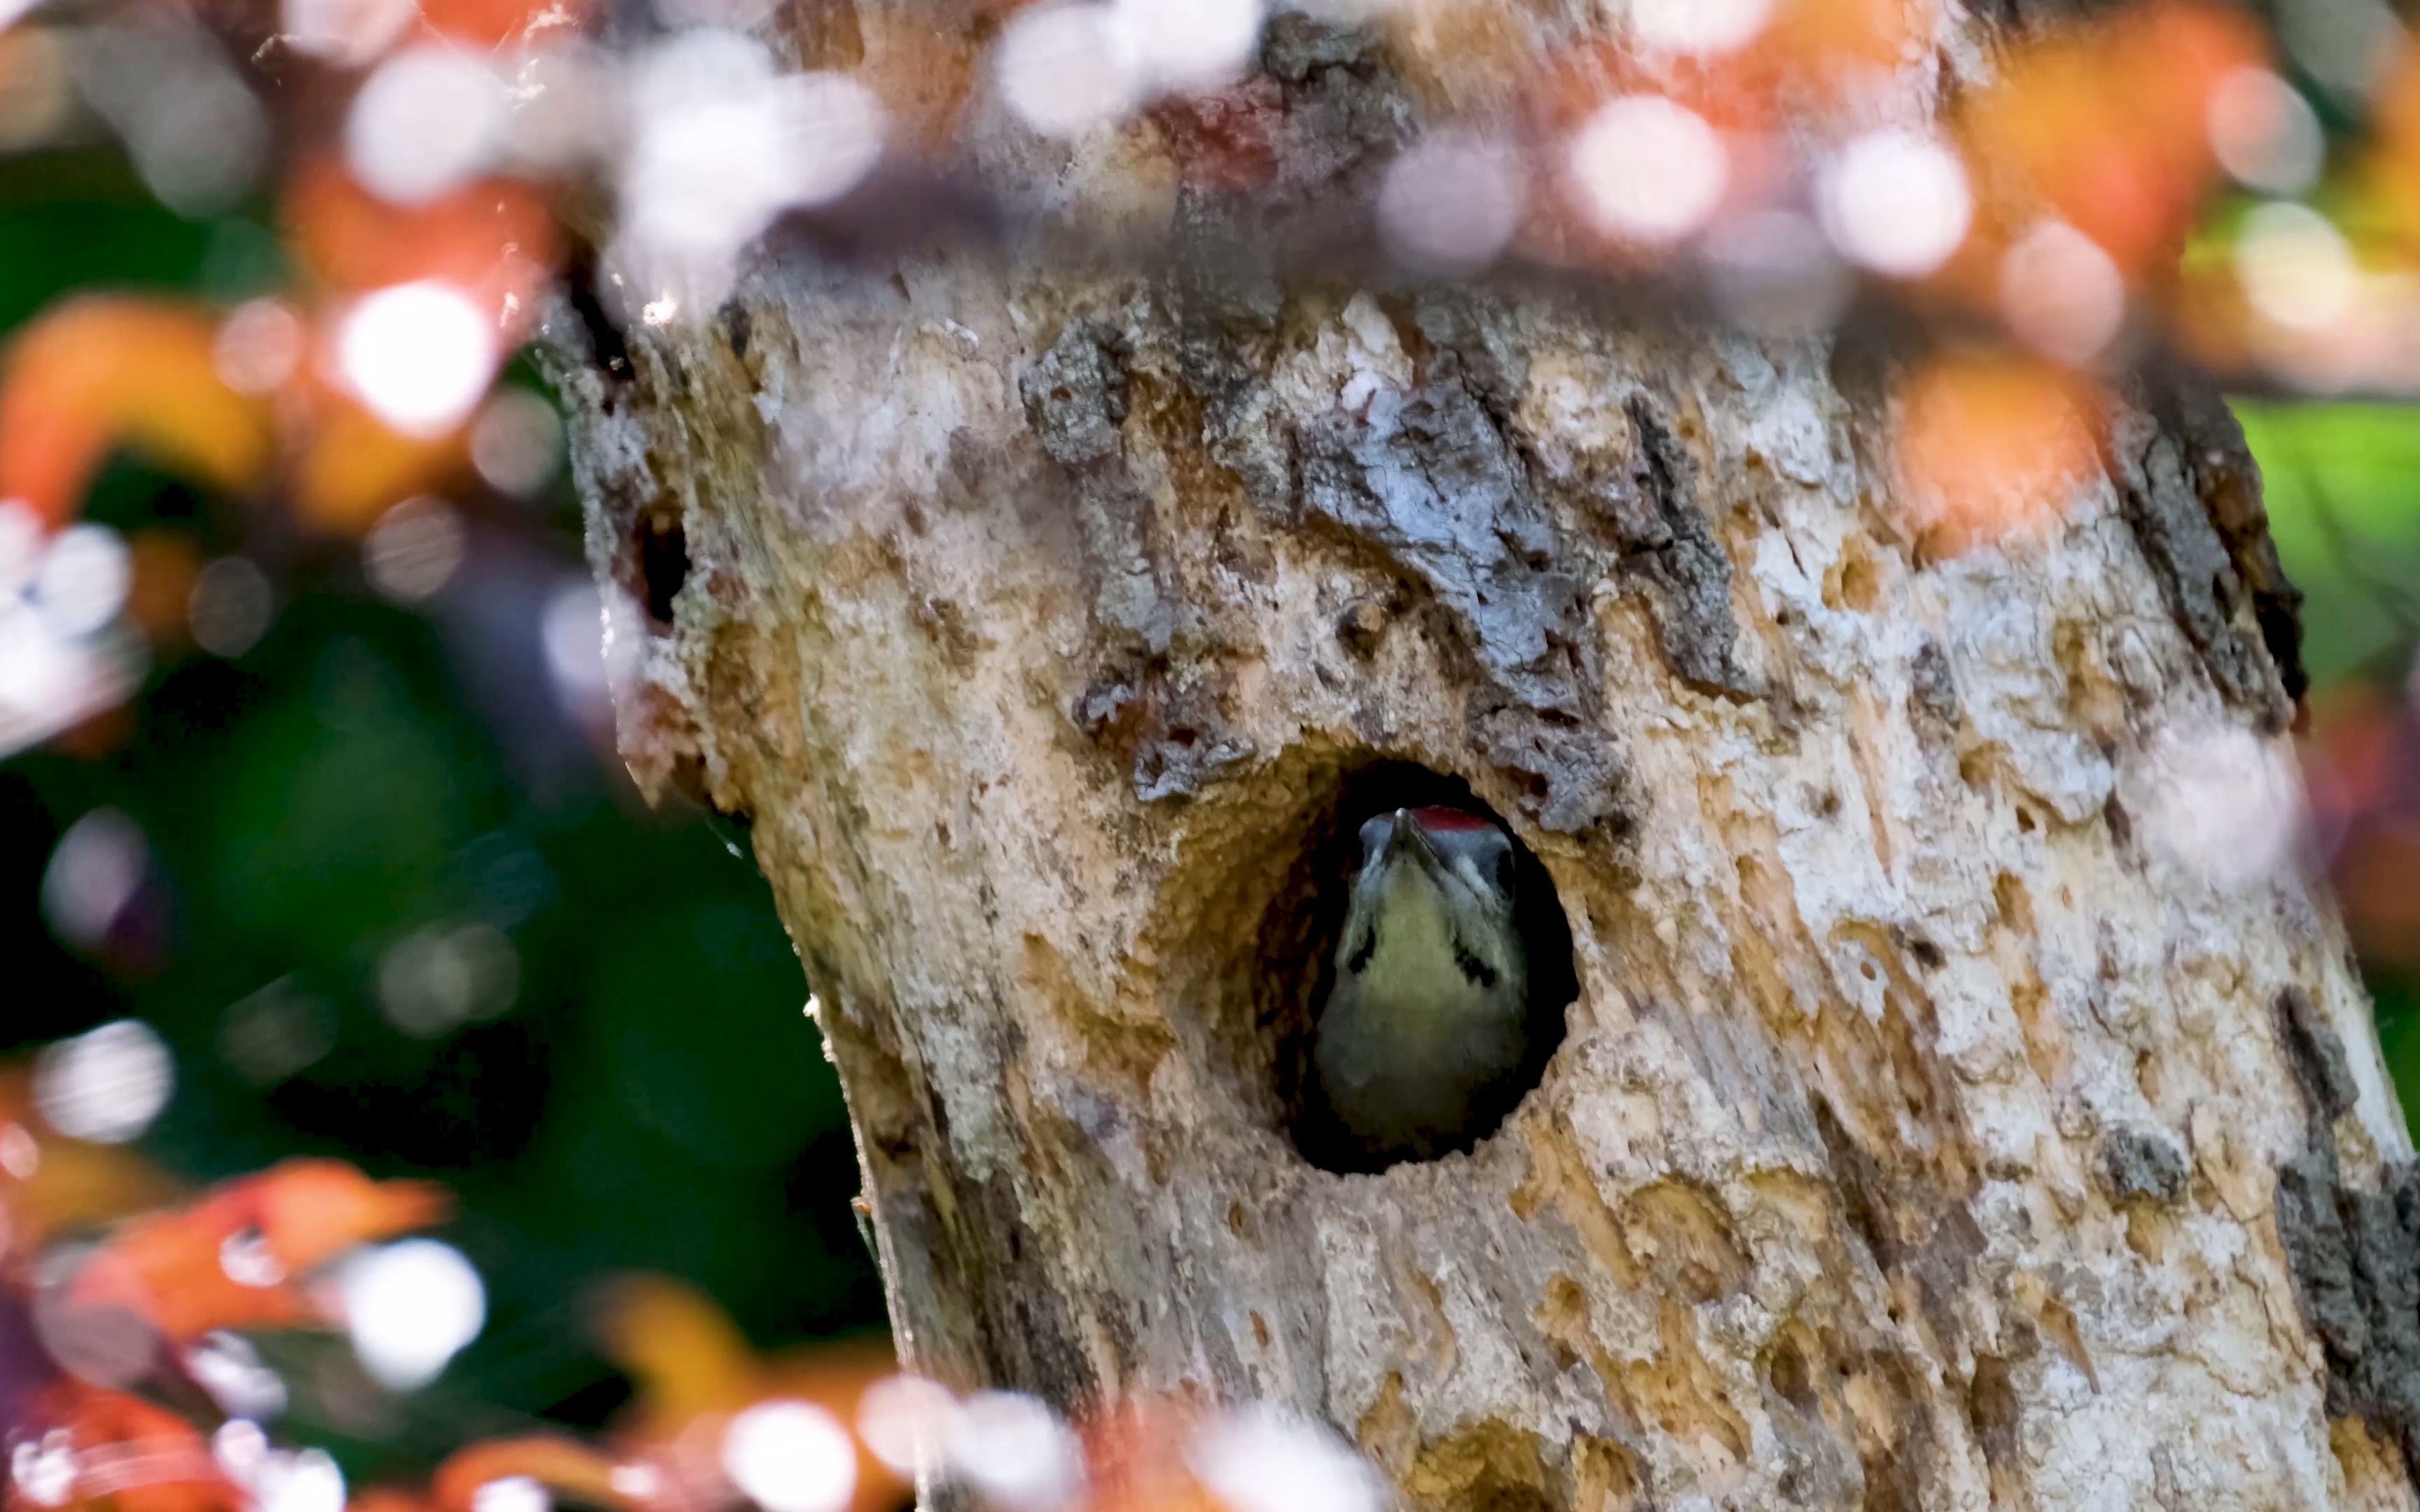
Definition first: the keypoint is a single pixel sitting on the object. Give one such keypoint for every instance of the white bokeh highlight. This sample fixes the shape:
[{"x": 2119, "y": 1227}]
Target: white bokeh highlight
[
  {"x": 790, "y": 1457},
  {"x": 230, "y": 607},
  {"x": 2265, "y": 134},
  {"x": 83, "y": 579},
  {"x": 441, "y": 977},
  {"x": 1451, "y": 204},
  {"x": 1013, "y": 1451},
  {"x": 239, "y": 1381},
  {"x": 419, "y": 355},
  {"x": 43, "y": 1471},
  {"x": 2225, "y": 804},
  {"x": 259, "y": 346},
  {"x": 517, "y": 442},
  {"x": 1065, "y": 68},
  {"x": 512, "y": 1493},
  {"x": 2294, "y": 267},
  {"x": 902, "y": 1419},
  {"x": 94, "y": 873},
  {"x": 1896, "y": 202},
  {"x": 720, "y": 145},
  {"x": 1259, "y": 1459},
  {"x": 1697, "y": 27},
  {"x": 304, "y": 1480},
  {"x": 1646, "y": 170},
  {"x": 592, "y": 645},
  {"x": 409, "y": 1308},
  {"x": 107, "y": 1085},
  {"x": 346, "y": 33},
  {"x": 414, "y": 550},
  {"x": 63, "y": 654},
  {"x": 430, "y": 120},
  {"x": 1172, "y": 45},
  {"x": 2061, "y": 294}
]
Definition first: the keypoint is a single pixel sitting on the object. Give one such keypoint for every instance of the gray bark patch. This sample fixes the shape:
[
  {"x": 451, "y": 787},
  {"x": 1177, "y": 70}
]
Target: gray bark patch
[
  {"x": 2317, "y": 1055},
  {"x": 1344, "y": 107},
  {"x": 1932, "y": 691},
  {"x": 1164, "y": 714},
  {"x": 1668, "y": 542},
  {"x": 1076, "y": 396},
  {"x": 2191, "y": 495},
  {"x": 1428, "y": 480},
  {"x": 2356, "y": 1255},
  {"x": 1076, "y": 402},
  {"x": 2229, "y": 483},
  {"x": 2137, "y": 1166}
]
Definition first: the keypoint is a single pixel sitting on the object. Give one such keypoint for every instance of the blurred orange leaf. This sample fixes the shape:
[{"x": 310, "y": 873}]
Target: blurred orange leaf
[
  {"x": 1988, "y": 445},
  {"x": 108, "y": 371},
  {"x": 2352, "y": 750},
  {"x": 2374, "y": 874},
  {"x": 1134, "y": 1460},
  {"x": 1830, "y": 47},
  {"x": 494, "y": 22},
  {"x": 2104, "y": 126},
  {"x": 311, "y": 1212},
  {"x": 351, "y": 469},
  {"x": 494, "y": 239},
  {"x": 126, "y": 1454},
  {"x": 683, "y": 1351},
  {"x": 563, "y": 1465},
  {"x": 2394, "y": 162},
  {"x": 164, "y": 564},
  {"x": 694, "y": 1371},
  {"x": 237, "y": 1258},
  {"x": 54, "y": 1185}
]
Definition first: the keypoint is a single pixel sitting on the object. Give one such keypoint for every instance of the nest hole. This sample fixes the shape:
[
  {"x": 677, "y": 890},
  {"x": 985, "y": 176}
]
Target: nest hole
[
  {"x": 1304, "y": 925},
  {"x": 661, "y": 547}
]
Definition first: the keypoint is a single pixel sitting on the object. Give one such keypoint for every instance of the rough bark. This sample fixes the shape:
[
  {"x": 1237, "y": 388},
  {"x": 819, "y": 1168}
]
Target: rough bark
[{"x": 1927, "y": 1131}]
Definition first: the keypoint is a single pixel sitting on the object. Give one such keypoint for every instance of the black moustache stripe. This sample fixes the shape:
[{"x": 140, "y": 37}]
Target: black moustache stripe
[{"x": 1473, "y": 967}]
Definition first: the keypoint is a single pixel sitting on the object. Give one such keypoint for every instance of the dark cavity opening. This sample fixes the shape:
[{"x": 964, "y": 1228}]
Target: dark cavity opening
[
  {"x": 1300, "y": 942},
  {"x": 609, "y": 352},
  {"x": 663, "y": 564}
]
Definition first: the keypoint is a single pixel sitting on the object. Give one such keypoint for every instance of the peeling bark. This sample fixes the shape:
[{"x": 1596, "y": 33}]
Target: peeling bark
[{"x": 1927, "y": 1129}]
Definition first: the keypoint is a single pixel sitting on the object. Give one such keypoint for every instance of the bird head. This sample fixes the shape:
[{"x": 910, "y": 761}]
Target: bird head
[{"x": 1437, "y": 880}]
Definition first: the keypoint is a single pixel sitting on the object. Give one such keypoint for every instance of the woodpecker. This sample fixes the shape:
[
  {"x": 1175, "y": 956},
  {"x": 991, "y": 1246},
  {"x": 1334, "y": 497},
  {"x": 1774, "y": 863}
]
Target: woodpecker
[{"x": 1428, "y": 1021}]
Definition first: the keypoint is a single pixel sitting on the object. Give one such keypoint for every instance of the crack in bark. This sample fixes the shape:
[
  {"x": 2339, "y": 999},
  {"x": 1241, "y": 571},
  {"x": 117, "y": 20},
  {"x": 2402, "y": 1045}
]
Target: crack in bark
[
  {"x": 1668, "y": 541},
  {"x": 1076, "y": 400},
  {"x": 2191, "y": 494},
  {"x": 2354, "y": 1253}
]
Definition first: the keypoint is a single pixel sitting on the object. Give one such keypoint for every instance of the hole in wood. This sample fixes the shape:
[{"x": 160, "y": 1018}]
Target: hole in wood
[
  {"x": 1408, "y": 1027},
  {"x": 662, "y": 549}
]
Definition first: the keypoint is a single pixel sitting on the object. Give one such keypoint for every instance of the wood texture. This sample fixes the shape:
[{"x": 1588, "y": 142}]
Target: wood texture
[{"x": 1942, "y": 1120}]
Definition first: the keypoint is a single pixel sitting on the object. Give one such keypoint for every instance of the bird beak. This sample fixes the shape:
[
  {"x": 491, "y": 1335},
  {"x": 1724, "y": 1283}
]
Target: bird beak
[{"x": 1408, "y": 840}]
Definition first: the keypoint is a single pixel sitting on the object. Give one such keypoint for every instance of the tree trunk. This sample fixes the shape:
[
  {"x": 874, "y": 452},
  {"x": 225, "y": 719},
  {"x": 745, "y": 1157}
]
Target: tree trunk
[{"x": 1943, "y": 1116}]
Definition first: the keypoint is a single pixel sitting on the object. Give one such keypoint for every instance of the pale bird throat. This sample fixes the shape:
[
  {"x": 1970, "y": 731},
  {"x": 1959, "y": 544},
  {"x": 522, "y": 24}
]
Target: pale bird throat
[{"x": 1428, "y": 1016}]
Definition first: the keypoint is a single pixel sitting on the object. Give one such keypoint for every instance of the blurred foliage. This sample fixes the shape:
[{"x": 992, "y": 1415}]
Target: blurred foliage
[
  {"x": 652, "y": 1098},
  {"x": 2343, "y": 488},
  {"x": 2344, "y": 501}
]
